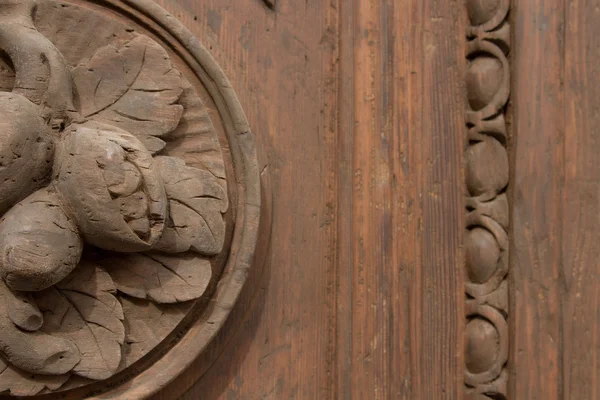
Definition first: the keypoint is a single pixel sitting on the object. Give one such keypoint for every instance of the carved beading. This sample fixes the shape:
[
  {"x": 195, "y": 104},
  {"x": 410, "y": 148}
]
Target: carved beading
[{"x": 487, "y": 218}]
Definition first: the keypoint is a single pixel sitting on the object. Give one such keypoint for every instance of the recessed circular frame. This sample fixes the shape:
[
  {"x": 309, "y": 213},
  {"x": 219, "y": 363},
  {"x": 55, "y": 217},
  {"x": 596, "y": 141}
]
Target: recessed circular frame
[{"x": 199, "y": 120}]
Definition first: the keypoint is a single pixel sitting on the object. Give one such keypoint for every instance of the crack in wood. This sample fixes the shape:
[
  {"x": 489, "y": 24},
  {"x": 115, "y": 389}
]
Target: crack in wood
[{"x": 270, "y": 4}]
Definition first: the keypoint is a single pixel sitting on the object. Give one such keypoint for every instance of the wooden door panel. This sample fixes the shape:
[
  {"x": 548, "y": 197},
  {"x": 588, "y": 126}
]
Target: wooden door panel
[
  {"x": 400, "y": 210},
  {"x": 357, "y": 109},
  {"x": 280, "y": 341},
  {"x": 556, "y": 201},
  {"x": 430, "y": 198}
]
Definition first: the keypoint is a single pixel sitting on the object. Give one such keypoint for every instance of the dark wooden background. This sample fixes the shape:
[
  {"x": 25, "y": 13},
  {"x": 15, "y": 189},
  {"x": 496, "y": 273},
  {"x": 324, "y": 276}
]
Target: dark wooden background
[{"x": 357, "y": 108}]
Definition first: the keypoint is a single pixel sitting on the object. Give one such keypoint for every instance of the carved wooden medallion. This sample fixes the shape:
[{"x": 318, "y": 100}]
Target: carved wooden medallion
[{"x": 129, "y": 197}]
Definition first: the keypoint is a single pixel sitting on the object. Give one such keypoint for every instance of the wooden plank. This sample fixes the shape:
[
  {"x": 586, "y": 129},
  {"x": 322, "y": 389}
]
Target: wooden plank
[
  {"x": 278, "y": 342},
  {"x": 400, "y": 200},
  {"x": 537, "y": 193},
  {"x": 580, "y": 274},
  {"x": 357, "y": 106},
  {"x": 442, "y": 290}
]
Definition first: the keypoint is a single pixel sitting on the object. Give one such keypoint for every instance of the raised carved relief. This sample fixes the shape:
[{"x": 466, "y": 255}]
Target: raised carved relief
[
  {"x": 487, "y": 178},
  {"x": 113, "y": 195}
]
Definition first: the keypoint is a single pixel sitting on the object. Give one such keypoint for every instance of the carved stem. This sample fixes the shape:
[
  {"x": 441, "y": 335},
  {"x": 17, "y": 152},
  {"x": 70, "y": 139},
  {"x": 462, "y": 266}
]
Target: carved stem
[
  {"x": 23, "y": 311},
  {"x": 42, "y": 74},
  {"x": 34, "y": 352}
]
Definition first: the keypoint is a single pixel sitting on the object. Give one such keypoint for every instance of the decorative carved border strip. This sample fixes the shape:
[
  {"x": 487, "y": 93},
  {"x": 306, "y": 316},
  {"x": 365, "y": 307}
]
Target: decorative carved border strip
[{"x": 487, "y": 176}]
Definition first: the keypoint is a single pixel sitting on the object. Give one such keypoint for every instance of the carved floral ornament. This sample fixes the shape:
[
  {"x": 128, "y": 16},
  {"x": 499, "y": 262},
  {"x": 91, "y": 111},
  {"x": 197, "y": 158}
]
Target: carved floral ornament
[{"x": 113, "y": 197}]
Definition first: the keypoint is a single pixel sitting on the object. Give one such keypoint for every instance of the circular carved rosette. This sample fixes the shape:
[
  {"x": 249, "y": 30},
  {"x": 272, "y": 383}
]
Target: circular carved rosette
[{"x": 129, "y": 198}]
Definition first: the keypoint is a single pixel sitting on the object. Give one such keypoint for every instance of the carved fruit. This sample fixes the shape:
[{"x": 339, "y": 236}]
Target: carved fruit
[
  {"x": 107, "y": 179},
  {"x": 26, "y": 149},
  {"x": 39, "y": 244}
]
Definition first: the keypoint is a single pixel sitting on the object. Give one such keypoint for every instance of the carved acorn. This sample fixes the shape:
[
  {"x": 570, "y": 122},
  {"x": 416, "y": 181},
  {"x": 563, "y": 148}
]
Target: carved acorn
[
  {"x": 39, "y": 243},
  {"x": 107, "y": 179}
]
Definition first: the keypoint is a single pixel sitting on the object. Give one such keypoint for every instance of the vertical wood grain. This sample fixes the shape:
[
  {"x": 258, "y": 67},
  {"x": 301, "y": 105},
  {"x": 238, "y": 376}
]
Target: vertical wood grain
[
  {"x": 279, "y": 342},
  {"x": 581, "y": 202},
  {"x": 442, "y": 150},
  {"x": 556, "y": 200},
  {"x": 357, "y": 106},
  {"x": 538, "y": 182},
  {"x": 401, "y": 144}
]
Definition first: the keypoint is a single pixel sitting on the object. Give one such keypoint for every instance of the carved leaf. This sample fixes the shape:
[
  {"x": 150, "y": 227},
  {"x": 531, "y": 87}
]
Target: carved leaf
[
  {"x": 20, "y": 383},
  {"x": 84, "y": 309},
  {"x": 195, "y": 140},
  {"x": 133, "y": 86},
  {"x": 196, "y": 206},
  {"x": 158, "y": 277},
  {"x": 148, "y": 324}
]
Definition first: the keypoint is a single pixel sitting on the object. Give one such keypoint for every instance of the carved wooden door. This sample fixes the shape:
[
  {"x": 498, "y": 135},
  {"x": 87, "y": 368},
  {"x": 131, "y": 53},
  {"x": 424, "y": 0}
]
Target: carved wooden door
[{"x": 276, "y": 199}]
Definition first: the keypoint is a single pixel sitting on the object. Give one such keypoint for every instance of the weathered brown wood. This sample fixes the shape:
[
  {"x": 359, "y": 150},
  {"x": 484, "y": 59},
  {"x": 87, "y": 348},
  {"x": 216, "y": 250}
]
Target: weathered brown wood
[
  {"x": 280, "y": 343},
  {"x": 357, "y": 289},
  {"x": 360, "y": 293},
  {"x": 555, "y": 201},
  {"x": 399, "y": 231}
]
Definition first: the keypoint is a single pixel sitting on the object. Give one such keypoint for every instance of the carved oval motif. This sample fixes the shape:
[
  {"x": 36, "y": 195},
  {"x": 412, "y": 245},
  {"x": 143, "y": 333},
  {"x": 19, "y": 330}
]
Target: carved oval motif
[
  {"x": 482, "y": 345},
  {"x": 484, "y": 79},
  {"x": 487, "y": 167},
  {"x": 482, "y": 255},
  {"x": 481, "y": 11},
  {"x": 155, "y": 165}
]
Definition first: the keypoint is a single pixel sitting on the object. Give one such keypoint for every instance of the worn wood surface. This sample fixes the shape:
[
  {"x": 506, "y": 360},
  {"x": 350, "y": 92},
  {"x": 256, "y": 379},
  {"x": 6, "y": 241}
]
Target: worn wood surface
[
  {"x": 357, "y": 107},
  {"x": 556, "y": 201}
]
